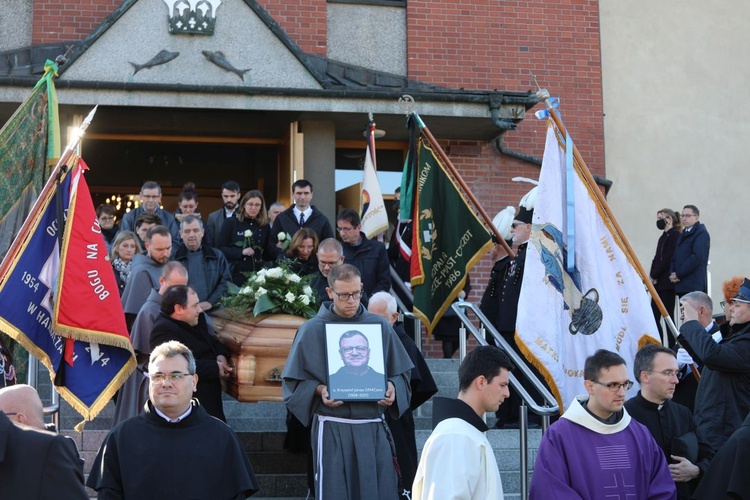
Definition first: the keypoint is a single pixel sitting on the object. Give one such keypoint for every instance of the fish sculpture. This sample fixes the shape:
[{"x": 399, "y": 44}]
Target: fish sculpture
[
  {"x": 162, "y": 57},
  {"x": 221, "y": 61}
]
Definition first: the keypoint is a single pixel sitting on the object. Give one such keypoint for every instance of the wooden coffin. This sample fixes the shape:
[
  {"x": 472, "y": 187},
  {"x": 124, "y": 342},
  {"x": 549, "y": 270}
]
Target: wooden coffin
[{"x": 259, "y": 347}]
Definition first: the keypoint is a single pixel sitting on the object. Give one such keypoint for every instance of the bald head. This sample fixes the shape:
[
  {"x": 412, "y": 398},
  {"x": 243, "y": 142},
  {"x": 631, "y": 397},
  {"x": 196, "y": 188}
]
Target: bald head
[{"x": 22, "y": 404}]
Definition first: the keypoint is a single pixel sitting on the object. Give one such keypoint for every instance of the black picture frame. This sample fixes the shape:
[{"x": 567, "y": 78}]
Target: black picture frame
[{"x": 352, "y": 373}]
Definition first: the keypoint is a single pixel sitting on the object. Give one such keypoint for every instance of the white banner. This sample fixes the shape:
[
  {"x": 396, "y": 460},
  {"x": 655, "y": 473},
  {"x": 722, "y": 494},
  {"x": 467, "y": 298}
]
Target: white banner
[
  {"x": 374, "y": 216},
  {"x": 564, "y": 317}
]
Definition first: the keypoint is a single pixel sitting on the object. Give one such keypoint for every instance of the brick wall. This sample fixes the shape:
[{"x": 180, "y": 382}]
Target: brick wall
[
  {"x": 68, "y": 20},
  {"x": 303, "y": 20},
  {"x": 483, "y": 44}
]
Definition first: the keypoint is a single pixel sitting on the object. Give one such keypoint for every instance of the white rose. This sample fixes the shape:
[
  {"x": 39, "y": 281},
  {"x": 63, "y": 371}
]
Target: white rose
[
  {"x": 274, "y": 273},
  {"x": 261, "y": 291},
  {"x": 282, "y": 236},
  {"x": 260, "y": 278},
  {"x": 307, "y": 290},
  {"x": 246, "y": 291},
  {"x": 262, "y": 272},
  {"x": 289, "y": 297},
  {"x": 294, "y": 278},
  {"x": 304, "y": 299},
  {"x": 248, "y": 233}
]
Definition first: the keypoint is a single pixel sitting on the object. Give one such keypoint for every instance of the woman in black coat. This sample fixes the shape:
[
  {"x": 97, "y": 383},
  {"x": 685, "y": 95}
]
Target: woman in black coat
[
  {"x": 669, "y": 222},
  {"x": 245, "y": 240},
  {"x": 301, "y": 255}
]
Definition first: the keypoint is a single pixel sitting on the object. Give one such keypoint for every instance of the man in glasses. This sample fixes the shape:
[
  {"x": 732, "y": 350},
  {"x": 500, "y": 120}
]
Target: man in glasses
[
  {"x": 356, "y": 374},
  {"x": 596, "y": 450},
  {"x": 369, "y": 256},
  {"x": 174, "y": 449},
  {"x": 330, "y": 254},
  {"x": 350, "y": 440},
  {"x": 670, "y": 423},
  {"x": 690, "y": 260}
]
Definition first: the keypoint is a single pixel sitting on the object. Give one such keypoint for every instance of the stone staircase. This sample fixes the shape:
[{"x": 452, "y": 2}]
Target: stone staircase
[{"x": 282, "y": 474}]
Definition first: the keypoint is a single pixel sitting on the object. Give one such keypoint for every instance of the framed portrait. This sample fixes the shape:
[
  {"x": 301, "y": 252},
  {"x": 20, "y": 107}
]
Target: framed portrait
[{"x": 355, "y": 362}]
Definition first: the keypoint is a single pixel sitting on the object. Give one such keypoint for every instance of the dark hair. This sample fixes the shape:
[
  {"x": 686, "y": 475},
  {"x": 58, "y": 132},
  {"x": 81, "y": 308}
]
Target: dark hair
[
  {"x": 344, "y": 272},
  {"x": 601, "y": 359},
  {"x": 644, "y": 358},
  {"x": 353, "y": 333},
  {"x": 302, "y": 183},
  {"x": 148, "y": 218},
  {"x": 188, "y": 193},
  {"x": 486, "y": 360},
  {"x": 105, "y": 208},
  {"x": 262, "y": 218},
  {"x": 230, "y": 186},
  {"x": 693, "y": 208},
  {"x": 189, "y": 219},
  {"x": 303, "y": 234},
  {"x": 397, "y": 190},
  {"x": 173, "y": 296},
  {"x": 151, "y": 185},
  {"x": 350, "y": 216},
  {"x": 675, "y": 216},
  {"x": 160, "y": 230}
]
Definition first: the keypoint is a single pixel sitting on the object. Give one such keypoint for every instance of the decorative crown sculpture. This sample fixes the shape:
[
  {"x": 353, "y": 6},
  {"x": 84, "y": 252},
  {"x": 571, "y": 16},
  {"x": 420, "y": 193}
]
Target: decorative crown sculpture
[{"x": 196, "y": 17}]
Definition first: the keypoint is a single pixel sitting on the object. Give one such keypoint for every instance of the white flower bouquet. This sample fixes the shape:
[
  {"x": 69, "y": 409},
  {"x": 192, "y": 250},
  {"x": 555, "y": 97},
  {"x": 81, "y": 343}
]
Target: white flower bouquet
[{"x": 276, "y": 290}]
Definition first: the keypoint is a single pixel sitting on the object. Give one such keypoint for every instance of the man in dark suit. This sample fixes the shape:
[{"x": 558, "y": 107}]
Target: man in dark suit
[
  {"x": 37, "y": 464},
  {"x": 230, "y": 193},
  {"x": 686, "y": 389},
  {"x": 690, "y": 261}
]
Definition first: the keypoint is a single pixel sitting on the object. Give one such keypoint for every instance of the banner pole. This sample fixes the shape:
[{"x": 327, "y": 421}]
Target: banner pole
[
  {"x": 423, "y": 128},
  {"x": 544, "y": 96}
]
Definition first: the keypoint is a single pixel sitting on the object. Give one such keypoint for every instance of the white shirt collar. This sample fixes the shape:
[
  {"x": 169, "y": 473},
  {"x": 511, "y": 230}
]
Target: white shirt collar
[
  {"x": 307, "y": 212},
  {"x": 178, "y": 419}
]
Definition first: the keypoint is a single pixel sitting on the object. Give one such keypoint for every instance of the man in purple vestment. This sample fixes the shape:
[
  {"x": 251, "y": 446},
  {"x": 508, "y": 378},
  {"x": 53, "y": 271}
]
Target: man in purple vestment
[{"x": 596, "y": 450}]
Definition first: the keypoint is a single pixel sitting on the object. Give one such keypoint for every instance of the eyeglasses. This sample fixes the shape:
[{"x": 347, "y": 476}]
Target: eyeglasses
[
  {"x": 668, "y": 373},
  {"x": 615, "y": 386},
  {"x": 159, "y": 378},
  {"x": 345, "y": 229},
  {"x": 347, "y": 296},
  {"x": 516, "y": 224},
  {"x": 10, "y": 413},
  {"x": 327, "y": 264},
  {"x": 253, "y": 205},
  {"x": 684, "y": 216},
  {"x": 361, "y": 349},
  {"x": 725, "y": 303}
]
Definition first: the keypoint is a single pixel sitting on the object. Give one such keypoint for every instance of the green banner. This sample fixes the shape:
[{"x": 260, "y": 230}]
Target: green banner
[
  {"x": 448, "y": 239},
  {"x": 29, "y": 142}
]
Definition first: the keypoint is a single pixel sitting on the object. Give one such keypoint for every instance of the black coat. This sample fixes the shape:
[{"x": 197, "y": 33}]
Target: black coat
[
  {"x": 686, "y": 390},
  {"x": 723, "y": 398},
  {"x": 665, "y": 249},
  {"x": 690, "y": 260},
  {"x": 371, "y": 259},
  {"x": 38, "y": 464},
  {"x": 233, "y": 232},
  {"x": 728, "y": 475},
  {"x": 205, "y": 348},
  {"x": 671, "y": 421},
  {"x": 286, "y": 222}
]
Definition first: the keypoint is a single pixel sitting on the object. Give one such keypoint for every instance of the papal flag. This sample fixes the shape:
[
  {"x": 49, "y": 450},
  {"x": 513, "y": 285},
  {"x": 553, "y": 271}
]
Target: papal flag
[
  {"x": 569, "y": 308},
  {"x": 29, "y": 144},
  {"x": 448, "y": 238},
  {"x": 374, "y": 216},
  {"x": 64, "y": 307}
]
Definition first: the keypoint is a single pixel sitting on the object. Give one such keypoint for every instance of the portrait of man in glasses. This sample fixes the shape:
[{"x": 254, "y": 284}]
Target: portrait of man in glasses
[{"x": 356, "y": 379}]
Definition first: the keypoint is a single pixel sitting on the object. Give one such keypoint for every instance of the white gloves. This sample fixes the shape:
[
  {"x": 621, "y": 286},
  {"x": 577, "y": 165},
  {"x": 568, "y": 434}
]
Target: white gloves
[{"x": 683, "y": 358}]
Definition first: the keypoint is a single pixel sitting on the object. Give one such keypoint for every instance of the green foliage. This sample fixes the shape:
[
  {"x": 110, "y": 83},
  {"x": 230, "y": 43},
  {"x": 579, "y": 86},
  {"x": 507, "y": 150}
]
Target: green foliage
[{"x": 277, "y": 290}]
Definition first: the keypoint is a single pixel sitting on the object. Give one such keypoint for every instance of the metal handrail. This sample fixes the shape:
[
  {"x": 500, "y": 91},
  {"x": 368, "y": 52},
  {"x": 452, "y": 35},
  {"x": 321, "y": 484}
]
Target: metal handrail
[
  {"x": 406, "y": 311},
  {"x": 544, "y": 411}
]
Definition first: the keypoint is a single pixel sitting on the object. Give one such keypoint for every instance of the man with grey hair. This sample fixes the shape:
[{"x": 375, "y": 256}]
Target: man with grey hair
[
  {"x": 174, "y": 449},
  {"x": 207, "y": 267},
  {"x": 133, "y": 394},
  {"x": 723, "y": 398},
  {"x": 274, "y": 209},
  {"x": 423, "y": 387},
  {"x": 150, "y": 202},
  {"x": 670, "y": 423},
  {"x": 688, "y": 386}
]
